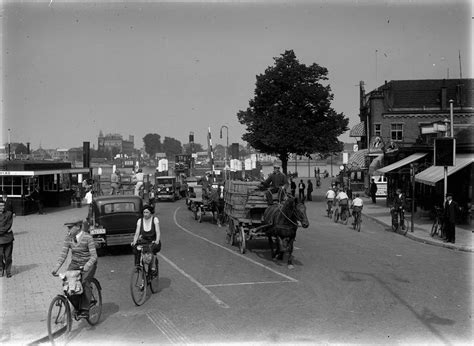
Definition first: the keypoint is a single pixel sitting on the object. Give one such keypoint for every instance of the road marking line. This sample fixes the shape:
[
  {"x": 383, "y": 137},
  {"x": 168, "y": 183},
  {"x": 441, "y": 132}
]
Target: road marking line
[
  {"x": 168, "y": 328},
  {"x": 231, "y": 251},
  {"x": 201, "y": 286},
  {"x": 248, "y": 283}
]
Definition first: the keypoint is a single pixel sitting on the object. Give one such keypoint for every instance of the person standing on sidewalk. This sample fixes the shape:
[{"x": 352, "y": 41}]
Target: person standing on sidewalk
[
  {"x": 6, "y": 240},
  {"x": 301, "y": 188},
  {"x": 450, "y": 209},
  {"x": 292, "y": 187},
  {"x": 83, "y": 258},
  {"x": 373, "y": 191},
  {"x": 309, "y": 191}
]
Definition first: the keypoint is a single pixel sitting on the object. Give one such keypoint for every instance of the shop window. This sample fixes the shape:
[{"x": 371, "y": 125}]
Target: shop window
[{"x": 396, "y": 131}]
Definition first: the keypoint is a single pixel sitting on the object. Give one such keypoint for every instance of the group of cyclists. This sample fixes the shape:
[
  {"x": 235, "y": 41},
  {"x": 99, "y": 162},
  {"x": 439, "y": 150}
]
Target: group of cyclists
[{"x": 339, "y": 202}]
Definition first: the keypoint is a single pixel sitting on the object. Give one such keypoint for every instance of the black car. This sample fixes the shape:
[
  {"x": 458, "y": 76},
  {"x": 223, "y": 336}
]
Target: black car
[{"x": 113, "y": 219}]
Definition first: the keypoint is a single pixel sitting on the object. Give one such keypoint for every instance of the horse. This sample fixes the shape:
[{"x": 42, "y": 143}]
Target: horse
[
  {"x": 282, "y": 223},
  {"x": 217, "y": 200}
]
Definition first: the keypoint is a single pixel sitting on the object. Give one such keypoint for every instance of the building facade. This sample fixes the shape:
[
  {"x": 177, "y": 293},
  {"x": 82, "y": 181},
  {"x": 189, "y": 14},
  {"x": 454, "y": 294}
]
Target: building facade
[{"x": 116, "y": 144}]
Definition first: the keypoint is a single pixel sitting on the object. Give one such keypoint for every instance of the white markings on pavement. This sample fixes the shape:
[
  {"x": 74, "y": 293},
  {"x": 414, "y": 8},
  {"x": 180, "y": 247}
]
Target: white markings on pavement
[
  {"x": 168, "y": 328},
  {"x": 289, "y": 278},
  {"x": 248, "y": 283},
  {"x": 193, "y": 280}
]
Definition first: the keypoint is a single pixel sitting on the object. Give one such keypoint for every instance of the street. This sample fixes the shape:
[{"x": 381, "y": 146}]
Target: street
[{"x": 347, "y": 287}]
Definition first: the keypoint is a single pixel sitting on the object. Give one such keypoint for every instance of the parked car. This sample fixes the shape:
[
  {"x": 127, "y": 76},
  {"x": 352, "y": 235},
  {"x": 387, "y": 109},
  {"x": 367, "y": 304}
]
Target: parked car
[
  {"x": 166, "y": 188},
  {"x": 113, "y": 219}
]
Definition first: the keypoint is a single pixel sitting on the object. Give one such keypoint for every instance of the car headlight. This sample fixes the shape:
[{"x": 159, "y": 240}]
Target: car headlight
[{"x": 167, "y": 189}]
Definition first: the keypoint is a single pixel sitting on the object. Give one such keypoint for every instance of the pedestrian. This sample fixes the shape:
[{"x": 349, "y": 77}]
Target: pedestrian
[
  {"x": 37, "y": 196},
  {"x": 6, "y": 240},
  {"x": 83, "y": 258},
  {"x": 115, "y": 182},
  {"x": 318, "y": 181},
  {"x": 309, "y": 191},
  {"x": 373, "y": 191},
  {"x": 292, "y": 187},
  {"x": 138, "y": 179},
  {"x": 301, "y": 188},
  {"x": 450, "y": 210},
  {"x": 8, "y": 202}
]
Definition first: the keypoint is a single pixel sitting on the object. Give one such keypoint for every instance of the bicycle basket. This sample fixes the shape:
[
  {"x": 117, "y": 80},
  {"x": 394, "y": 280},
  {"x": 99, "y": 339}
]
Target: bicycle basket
[
  {"x": 147, "y": 257},
  {"x": 72, "y": 282}
]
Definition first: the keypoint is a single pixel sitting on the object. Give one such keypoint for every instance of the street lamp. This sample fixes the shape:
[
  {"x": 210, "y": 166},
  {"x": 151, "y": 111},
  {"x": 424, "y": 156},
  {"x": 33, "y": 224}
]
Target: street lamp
[
  {"x": 9, "y": 145},
  {"x": 226, "y": 149}
]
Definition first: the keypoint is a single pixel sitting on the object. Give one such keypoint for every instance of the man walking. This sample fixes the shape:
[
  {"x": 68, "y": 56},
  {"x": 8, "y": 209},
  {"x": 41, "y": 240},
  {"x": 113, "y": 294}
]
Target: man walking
[
  {"x": 450, "y": 209},
  {"x": 373, "y": 191}
]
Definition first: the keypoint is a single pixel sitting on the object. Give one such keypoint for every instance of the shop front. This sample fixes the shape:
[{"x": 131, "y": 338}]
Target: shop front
[{"x": 55, "y": 182}]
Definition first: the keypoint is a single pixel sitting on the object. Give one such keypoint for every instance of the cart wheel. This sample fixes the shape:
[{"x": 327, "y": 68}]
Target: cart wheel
[{"x": 242, "y": 240}]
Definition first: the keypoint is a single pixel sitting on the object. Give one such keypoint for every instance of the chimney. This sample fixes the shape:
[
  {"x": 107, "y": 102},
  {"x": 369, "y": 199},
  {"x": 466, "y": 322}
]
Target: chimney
[
  {"x": 28, "y": 148},
  {"x": 86, "y": 157},
  {"x": 444, "y": 93}
]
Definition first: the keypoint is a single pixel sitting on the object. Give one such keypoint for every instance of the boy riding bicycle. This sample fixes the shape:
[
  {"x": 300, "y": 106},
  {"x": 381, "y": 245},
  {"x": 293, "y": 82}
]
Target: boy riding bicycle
[
  {"x": 330, "y": 195},
  {"x": 357, "y": 206},
  {"x": 342, "y": 201}
]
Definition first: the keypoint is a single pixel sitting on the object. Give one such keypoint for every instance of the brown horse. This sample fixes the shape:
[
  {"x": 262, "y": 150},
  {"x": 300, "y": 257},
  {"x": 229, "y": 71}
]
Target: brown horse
[{"x": 282, "y": 223}]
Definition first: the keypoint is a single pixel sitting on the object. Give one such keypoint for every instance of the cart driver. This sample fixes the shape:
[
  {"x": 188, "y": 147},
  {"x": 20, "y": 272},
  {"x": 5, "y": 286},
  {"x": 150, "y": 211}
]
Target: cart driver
[{"x": 275, "y": 181}]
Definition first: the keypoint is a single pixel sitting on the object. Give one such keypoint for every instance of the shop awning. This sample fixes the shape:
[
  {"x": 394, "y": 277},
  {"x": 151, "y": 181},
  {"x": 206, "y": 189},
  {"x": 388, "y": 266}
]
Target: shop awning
[
  {"x": 357, "y": 159},
  {"x": 44, "y": 172},
  {"x": 407, "y": 160},
  {"x": 433, "y": 174},
  {"x": 358, "y": 130}
]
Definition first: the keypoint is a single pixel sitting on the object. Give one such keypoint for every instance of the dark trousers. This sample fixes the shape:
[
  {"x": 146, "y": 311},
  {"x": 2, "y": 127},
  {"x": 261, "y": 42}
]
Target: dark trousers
[
  {"x": 374, "y": 200},
  {"x": 6, "y": 260},
  {"x": 310, "y": 198},
  {"x": 40, "y": 206},
  {"x": 450, "y": 231},
  {"x": 301, "y": 194},
  {"x": 82, "y": 301}
]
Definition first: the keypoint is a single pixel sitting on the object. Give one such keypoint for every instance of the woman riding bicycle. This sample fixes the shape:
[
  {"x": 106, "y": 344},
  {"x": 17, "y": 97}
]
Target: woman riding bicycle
[
  {"x": 83, "y": 258},
  {"x": 147, "y": 233}
]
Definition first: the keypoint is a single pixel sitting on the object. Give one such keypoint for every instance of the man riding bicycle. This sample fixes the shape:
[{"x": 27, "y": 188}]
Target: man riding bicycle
[
  {"x": 399, "y": 202},
  {"x": 330, "y": 195},
  {"x": 342, "y": 201},
  {"x": 357, "y": 205},
  {"x": 83, "y": 258}
]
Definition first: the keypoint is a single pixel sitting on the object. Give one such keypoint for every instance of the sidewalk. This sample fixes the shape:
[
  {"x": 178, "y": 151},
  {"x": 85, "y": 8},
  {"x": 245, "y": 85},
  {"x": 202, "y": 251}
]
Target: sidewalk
[{"x": 422, "y": 227}]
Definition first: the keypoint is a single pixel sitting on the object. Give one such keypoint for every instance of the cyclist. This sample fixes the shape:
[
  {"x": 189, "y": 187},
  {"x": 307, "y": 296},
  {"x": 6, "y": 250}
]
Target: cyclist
[
  {"x": 342, "y": 201},
  {"x": 330, "y": 195},
  {"x": 138, "y": 179},
  {"x": 357, "y": 205},
  {"x": 399, "y": 202},
  {"x": 147, "y": 233},
  {"x": 83, "y": 258}
]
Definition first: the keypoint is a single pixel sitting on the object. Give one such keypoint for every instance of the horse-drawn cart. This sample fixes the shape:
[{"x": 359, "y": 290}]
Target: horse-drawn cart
[
  {"x": 200, "y": 207},
  {"x": 244, "y": 208}
]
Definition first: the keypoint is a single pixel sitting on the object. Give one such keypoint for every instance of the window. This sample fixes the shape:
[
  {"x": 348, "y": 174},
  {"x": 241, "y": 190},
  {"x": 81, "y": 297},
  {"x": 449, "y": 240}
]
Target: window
[
  {"x": 119, "y": 208},
  {"x": 396, "y": 131},
  {"x": 378, "y": 130}
]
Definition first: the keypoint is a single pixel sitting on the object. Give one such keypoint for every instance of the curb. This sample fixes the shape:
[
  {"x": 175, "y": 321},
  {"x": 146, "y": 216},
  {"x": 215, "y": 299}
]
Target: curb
[{"x": 423, "y": 240}]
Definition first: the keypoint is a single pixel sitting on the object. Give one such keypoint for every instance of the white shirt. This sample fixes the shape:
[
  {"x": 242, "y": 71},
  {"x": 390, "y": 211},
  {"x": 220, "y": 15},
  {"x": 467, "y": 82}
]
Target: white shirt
[
  {"x": 357, "y": 202},
  {"x": 330, "y": 194},
  {"x": 342, "y": 195}
]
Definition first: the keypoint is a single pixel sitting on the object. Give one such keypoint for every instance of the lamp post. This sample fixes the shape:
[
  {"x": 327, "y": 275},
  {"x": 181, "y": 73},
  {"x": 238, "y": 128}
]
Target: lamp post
[
  {"x": 9, "y": 145},
  {"x": 226, "y": 149}
]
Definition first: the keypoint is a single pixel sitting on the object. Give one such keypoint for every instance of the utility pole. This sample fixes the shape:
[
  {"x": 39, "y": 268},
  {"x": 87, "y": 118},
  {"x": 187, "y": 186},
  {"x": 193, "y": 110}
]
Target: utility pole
[{"x": 226, "y": 150}]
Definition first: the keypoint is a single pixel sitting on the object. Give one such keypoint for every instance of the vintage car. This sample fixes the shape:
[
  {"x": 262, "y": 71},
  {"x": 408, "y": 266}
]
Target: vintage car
[
  {"x": 166, "y": 188},
  {"x": 113, "y": 219}
]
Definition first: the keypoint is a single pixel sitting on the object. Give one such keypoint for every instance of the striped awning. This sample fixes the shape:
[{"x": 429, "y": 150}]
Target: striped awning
[
  {"x": 357, "y": 159},
  {"x": 401, "y": 163},
  {"x": 433, "y": 174},
  {"x": 358, "y": 130}
]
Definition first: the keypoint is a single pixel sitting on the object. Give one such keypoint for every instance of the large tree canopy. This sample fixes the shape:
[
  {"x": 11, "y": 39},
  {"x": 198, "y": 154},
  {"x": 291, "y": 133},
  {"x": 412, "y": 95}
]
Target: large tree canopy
[
  {"x": 152, "y": 142},
  {"x": 172, "y": 147},
  {"x": 291, "y": 111}
]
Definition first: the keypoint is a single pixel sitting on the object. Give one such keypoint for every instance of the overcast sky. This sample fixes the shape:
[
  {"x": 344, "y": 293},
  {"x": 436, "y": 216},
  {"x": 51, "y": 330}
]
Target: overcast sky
[{"x": 70, "y": 70}]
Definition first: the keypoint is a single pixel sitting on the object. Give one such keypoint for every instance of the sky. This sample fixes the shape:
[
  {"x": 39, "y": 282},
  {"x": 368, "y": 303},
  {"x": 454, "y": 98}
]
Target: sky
[{"x": 72, "y": 69}]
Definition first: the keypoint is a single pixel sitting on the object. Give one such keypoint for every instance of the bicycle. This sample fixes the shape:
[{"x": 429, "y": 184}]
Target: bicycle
[
  {"x": 404, "y": 224},
  {"x": 437, "y": 229},
  {"x": 357, "y": 220},
  {"x": 60, "y": 314},
  {"x": 142, "y": 276},
  {"x": 329, "y": 208}
]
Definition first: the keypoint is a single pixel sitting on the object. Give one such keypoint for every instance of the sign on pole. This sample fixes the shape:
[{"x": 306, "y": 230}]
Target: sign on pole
[{"x": 445, "y": 151}]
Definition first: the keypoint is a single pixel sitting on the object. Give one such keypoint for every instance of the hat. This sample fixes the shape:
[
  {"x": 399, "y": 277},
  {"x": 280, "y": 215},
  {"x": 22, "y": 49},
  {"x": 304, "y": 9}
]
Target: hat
[
  {"x": 449, "y": 194},
  {"x": 74, "y": 222},
  {"x": 276, "y": 165}
]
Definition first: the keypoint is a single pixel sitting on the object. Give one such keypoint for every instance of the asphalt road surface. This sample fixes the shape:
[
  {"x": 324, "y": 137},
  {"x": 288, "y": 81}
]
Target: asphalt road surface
[{"x": 346, "y": 287}]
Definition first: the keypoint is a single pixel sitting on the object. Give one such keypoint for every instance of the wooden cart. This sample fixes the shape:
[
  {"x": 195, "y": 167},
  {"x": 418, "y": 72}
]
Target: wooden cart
[{"x": 244, "y": 208}]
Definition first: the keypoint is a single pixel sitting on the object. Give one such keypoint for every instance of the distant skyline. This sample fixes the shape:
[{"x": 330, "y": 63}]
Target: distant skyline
[{"x": 71, "y": 70}]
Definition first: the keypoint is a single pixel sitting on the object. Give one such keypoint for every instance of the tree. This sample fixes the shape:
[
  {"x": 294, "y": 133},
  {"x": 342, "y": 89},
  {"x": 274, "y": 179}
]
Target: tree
[
  {"x": 21, "y": 149},
  {"x": 152, "y": 142},
  {"x": 172, "y": 147},
  {"x": 291, "y": 111}
]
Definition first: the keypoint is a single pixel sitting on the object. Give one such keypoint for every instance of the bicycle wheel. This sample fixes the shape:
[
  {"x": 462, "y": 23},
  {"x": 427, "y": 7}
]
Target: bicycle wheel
[
  {"x": 435, "y": 228},
  {"x": 406, "y": 226},
  {"x": 59, "y": 318},
  {"x": 394, "y": 221},
  {"x": 336, "y": 215},
  {"x": 357, "y": 224},
  {"x": 95, "y": 307},
  {"x": 155, "y": 277},
  {"x": 345, "y": 217},
  {"x": 138, "y": 285}
]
